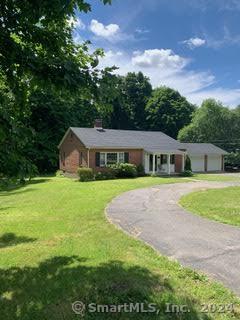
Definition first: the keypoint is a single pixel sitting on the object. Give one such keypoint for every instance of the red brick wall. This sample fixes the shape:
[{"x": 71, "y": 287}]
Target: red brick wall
[
  {"x": 178, "y": 163},
  {"x": 72, "y": 148},
  {"x": 135, "y": 156}
]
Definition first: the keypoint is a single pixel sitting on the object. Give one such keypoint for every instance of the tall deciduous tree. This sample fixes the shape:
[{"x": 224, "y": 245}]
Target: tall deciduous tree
[
  {"x": 37, "y": 50},
  {"x": 168, "y": 111},
  {"x": 52, "y": 113},
  {"x": 111, "y": 102},
  {"x": 214, "y": 123},
  {"x": 124, "y": 99},
  {"x": 137, "y": 90}
]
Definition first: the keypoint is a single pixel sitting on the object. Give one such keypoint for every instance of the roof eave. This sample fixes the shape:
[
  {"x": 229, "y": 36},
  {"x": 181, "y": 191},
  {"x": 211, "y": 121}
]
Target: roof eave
[
  {"x": 113, "y": 147},
  {"x": 66, "y": 133}
]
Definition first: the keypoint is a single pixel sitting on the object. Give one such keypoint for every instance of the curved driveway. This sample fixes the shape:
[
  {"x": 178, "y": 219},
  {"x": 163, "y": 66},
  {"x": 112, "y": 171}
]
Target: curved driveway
[{"x": 154, "y": 216}]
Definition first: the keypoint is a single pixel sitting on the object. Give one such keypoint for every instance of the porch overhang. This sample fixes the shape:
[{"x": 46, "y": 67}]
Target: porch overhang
[
  {"x": 155, "y": 162},
  {"x": 164, "y": 151}
]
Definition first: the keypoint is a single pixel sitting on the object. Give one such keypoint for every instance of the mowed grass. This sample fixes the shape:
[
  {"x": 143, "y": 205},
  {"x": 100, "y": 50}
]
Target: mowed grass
[
  {"x": 222, "y": 205},
  {"x": 217, "y": 177},
  {"x": 57, "y": 247}
]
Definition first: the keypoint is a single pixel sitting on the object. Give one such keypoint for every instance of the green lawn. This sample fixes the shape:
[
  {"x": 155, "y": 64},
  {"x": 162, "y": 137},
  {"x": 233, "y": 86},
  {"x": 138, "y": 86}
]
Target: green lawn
[
  {"x": 217, "y": 177},
  {"x": 56, "y": 247},
  {"x": 218, "y": 204}
]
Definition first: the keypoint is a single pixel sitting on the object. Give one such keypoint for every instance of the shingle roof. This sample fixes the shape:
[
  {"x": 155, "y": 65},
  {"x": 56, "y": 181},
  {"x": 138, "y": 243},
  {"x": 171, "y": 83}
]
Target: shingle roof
[
  {"x": 151, "y": 141},
  {"x": 202, "y": 148},
  {"x": 109, "y": 138}
]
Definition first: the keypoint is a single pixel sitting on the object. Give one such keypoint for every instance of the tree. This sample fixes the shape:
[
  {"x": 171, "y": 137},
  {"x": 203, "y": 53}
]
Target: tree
[
  {"x": 137, "y": 90},
  {"x": 168, "y": 111},
  {"x": 13, "y": 136},
  {"x": 37, "y": 51},
  {"x": 111, "y": 103},
  {"x": 233, "y": 159},
  {"x": 213, "y": 123},
  {"x": 52, "y": 113},
  {"x": 123, "y": 100}
]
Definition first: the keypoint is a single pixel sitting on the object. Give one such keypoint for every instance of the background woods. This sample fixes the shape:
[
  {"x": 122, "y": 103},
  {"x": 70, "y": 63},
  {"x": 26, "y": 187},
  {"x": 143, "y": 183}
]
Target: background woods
[{"x": 48, "y": 83}]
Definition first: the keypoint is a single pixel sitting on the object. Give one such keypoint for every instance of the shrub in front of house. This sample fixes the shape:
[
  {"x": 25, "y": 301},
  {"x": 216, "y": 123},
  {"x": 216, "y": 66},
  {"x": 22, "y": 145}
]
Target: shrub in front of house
[
  {"x": 188, "y": 164},
  {"x": 106, "y": 175},
  {"x": 85, "y": 174},
  {"x": 59, "y": 173},
  {"x": 124, "y": 170},
  {"x": 186, "y": 173},
  {"x": 232, "y": 161},
  {"x": 140, "y": 170}
]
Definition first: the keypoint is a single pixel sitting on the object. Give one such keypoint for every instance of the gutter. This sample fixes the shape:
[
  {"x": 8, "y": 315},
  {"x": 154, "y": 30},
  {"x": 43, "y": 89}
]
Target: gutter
[{"x": 114, "y": 148}]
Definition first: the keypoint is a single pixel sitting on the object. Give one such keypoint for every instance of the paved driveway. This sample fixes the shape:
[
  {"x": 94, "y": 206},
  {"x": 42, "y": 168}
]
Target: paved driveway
[{"x": 154, "y": 216}]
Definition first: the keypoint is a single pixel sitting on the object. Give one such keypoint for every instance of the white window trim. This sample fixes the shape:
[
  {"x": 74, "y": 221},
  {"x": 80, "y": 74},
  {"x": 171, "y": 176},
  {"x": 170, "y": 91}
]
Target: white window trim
[{"x": 105, "y": 157}]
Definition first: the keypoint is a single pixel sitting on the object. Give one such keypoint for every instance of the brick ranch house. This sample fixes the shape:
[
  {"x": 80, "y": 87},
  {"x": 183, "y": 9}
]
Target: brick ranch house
[{"x": 158, "y": 153}]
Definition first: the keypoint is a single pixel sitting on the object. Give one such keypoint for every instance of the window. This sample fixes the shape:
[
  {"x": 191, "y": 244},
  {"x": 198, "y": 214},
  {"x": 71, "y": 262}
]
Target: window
[
  {"x": 121, "y": 157},
  {"x": 112, "y": 158},
  {"x": 108, "y": 158}
]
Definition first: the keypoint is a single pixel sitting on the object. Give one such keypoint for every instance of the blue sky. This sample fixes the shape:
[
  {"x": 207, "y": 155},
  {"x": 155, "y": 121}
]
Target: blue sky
[{"x": 190, "y": 45}]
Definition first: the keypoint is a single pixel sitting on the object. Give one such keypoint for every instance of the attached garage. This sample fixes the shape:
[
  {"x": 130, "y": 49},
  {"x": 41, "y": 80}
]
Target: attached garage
[
  {"x": 205, "y": 157},
  {"x": 197, "y": 163},
  {"x": 214, "y": 163}
]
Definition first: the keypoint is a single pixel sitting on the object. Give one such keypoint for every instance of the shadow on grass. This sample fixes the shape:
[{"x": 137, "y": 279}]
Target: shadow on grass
[
  {"x": 10, "y": 239},
  {"x": 7, "y": 189},
  {"x": 48, "y": 291}
]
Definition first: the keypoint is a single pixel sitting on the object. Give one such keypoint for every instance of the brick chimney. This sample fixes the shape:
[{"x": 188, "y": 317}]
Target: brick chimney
[{"x": 98, "y": 124}]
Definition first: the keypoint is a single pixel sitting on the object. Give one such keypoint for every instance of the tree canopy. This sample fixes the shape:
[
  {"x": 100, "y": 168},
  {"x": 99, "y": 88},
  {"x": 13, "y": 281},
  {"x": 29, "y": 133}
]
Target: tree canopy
[
  {"x": 168, "y": 111},
  {"x": 214, "y": 123},
  {"x": 37, "y": 52},
  {"x": 126, "y": 98},
  {"x": 48, "y": 83},
  {"x": 137, "y": 90}
]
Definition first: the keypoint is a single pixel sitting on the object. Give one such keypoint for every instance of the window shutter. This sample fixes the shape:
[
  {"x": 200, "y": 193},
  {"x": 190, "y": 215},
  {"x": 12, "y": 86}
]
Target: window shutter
[
  {"x": 97, "y": 155},
  {"x": 126, "y": 157}
]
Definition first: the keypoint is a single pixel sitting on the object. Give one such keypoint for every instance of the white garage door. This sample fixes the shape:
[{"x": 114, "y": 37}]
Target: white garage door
[
  {"x": 214, "y": 163},
  {"x": 197, "y": 163}
]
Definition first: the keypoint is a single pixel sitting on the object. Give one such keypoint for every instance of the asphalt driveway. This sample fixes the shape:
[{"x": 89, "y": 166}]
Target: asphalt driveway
[{"x": 153, "y": 215}]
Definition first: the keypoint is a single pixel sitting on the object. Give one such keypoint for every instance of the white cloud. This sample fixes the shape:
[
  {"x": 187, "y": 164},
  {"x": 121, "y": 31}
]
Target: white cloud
[
  {"x": 193, "y": 43},
  {"x": 76, "y": 23},
  {"x": 100, "y": 30},
  {"x": 162, "y": 70},
  {"x": 230, "y": 97},
  {"x": 163, "y": 67},
  {"x": 142, "y": 31},
  {"x": 227, "y": 39},
  {"x": 203, "y": 5},
  {"x": 159, "y": 58},
  {"x": 111, "y": 32},
  {"x": 110, "y": 54}
]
